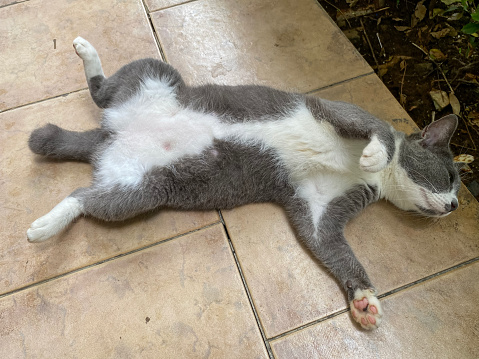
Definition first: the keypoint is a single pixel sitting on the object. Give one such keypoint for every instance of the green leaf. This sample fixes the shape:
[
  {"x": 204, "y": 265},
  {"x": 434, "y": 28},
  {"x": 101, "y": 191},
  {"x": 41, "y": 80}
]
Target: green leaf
[
  {"x": 437, "y": 11},
  {"x": 451, "y": 9},
  {"x": 470, "y": 28},
  {"x": 475, "y": 16},
  {"x": 449, "y": 2}
]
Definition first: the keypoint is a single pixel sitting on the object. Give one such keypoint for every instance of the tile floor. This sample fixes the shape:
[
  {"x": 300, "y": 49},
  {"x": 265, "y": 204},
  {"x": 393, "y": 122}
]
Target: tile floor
[{"x": 227, "y": 284}]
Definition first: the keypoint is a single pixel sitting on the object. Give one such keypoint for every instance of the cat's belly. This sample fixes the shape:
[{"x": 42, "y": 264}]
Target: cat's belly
[
  {"x": 158, "y": 132},
  {"x": 151, "y": 141}
]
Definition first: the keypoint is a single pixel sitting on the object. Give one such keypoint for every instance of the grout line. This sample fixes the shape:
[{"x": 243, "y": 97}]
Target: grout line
[
  {"x": 43, "y": 100},
  {"x": 307, "y": 325},
  {"x": 246, "y": 288},
  {"x": 339, "y": 82},
  {"x": 396, "y": 290},
  {"x": 155, "y": 35},
  {"x": 174, "y": 5},
  {"x": 13, "y": 3},
  {"x": 429, "y": 277},
  {"x": 133, "y": 251}
]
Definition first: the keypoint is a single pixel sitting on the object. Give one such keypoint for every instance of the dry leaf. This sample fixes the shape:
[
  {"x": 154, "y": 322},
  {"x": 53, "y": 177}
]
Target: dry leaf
[
  {"x": 420, "y": 11},
  {"x": 441, "y": 33},
  {"x": 473, "y": 118},
  {"x": 440, "y": 99},
  {"x": 464, "y": 158},
  {"x": 469, "y": 76},
  {"x": 455, "y": 16},
  {"x": 456, "y": 106},
  {"x": 437, "y": 54},
  {"x": 402, "y": 28},
  {"x": 465, "y": 169}
]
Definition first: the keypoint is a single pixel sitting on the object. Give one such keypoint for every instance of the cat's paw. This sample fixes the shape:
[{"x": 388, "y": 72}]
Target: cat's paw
[
  {"x": 84, "y": 49},
  {"x": 41, "y": 229},
  {"x": 366, "y": 308},
  {"x": 374, "y": 157},
  {"x": 54, "y": 221},
  {"x": 44, "y": 140}
]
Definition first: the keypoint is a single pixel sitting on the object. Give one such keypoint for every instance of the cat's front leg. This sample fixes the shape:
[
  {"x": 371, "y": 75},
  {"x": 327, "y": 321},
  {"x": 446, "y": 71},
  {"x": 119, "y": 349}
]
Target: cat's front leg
[
  {"x": 91, "y": 60},
  {"x": 352, "y": 122},
  {"x": 375, "y": 156},
  {"x": 321, "y": 228}
]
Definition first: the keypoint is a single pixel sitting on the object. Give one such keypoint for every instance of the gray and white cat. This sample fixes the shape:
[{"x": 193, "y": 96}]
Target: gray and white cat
[{"x": 163, "y": 143}]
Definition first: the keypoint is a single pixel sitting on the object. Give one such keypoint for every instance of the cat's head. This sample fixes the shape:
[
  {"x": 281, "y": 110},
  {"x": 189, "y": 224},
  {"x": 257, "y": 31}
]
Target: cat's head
[{"x": 426, "y": 178}]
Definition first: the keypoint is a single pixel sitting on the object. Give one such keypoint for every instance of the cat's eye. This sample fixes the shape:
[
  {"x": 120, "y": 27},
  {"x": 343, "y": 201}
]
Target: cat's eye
[{"x": 451, "y": 177}]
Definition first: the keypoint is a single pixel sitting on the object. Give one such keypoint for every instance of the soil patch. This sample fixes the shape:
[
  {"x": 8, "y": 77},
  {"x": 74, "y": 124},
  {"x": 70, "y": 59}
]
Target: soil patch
[{"x": 419, "y": 52}]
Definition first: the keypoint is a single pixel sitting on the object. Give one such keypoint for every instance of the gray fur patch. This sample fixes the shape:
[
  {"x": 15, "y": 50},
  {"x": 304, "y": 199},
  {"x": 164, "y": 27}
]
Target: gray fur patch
[
  {"x": 239, "y": 103},
  {"x": 431, "y": 168},
  {"x": 55, "y": 142},
  {"x": 126, "y": 82},
  {"x": 226, "y": 175}
]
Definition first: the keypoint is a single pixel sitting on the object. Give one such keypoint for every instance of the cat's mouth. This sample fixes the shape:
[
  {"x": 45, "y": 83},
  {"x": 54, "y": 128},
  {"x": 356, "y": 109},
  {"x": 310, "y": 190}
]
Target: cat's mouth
[{"x": 431, "y": 212}]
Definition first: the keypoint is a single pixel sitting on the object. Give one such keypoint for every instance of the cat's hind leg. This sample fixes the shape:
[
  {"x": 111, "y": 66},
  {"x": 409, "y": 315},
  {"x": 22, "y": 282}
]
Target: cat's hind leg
[
  {"x": 115, "y": 203},
  {"x": 56, "y": 220},
  {"x": 55, "y": 142}
]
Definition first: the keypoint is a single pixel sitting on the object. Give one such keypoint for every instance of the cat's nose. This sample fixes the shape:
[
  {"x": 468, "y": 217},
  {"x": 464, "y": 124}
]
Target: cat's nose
[{"x": 452, "y": 206}]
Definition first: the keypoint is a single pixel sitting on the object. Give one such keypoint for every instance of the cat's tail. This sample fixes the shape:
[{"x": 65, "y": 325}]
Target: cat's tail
[{"x": 55, "y": 142}]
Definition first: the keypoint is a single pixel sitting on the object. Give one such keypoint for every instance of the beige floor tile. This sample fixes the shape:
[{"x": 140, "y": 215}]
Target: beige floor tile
[
  {"x": 37, "y": 56},
  {"x": 436, "y": 319},
  {"x": 370, "y": 93},
  {"x": 288, "y": 286},
  {"x": 287, "y": 44},
  {"x": 290, "y": 289},
  {"x": 31, "y": 186},
  {"x": 181, "y": 299}
]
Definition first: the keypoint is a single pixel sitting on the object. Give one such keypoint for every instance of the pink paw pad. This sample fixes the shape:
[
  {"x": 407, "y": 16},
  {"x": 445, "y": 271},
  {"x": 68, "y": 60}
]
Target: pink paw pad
[{"x": 366, "y": 309}]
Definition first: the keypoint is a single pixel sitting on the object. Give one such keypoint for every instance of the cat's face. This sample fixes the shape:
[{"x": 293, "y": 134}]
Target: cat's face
[{"x": 427, "y": 180}]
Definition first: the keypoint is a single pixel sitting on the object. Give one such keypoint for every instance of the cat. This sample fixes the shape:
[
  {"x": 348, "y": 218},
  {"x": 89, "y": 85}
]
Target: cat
[{"x": 163, "y": 143}]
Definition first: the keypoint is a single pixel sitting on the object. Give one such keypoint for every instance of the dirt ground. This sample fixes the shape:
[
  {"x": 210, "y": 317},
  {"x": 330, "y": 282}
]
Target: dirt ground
[{"x": 419, "y": 51}]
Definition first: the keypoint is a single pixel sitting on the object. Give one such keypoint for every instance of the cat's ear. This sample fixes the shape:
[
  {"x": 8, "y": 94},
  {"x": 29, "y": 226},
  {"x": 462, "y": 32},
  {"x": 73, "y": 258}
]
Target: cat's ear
[{"x": 439, "y": 133}]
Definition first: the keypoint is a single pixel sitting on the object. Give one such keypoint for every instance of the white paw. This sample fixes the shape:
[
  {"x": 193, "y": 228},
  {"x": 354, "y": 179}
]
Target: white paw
[
  {"x": 84, "y": 49},
  {"x": 91, "y": 61},
  {"x": 374, "y": 157},
  {"x": 42, "y": 229},
  {"x": 55, "y": 220},
  {"x": 366, "y": 308}
]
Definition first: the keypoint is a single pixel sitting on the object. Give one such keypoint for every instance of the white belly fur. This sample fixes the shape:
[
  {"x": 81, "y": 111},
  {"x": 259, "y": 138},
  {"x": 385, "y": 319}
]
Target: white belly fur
[{"x": 153, "y": 130}]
